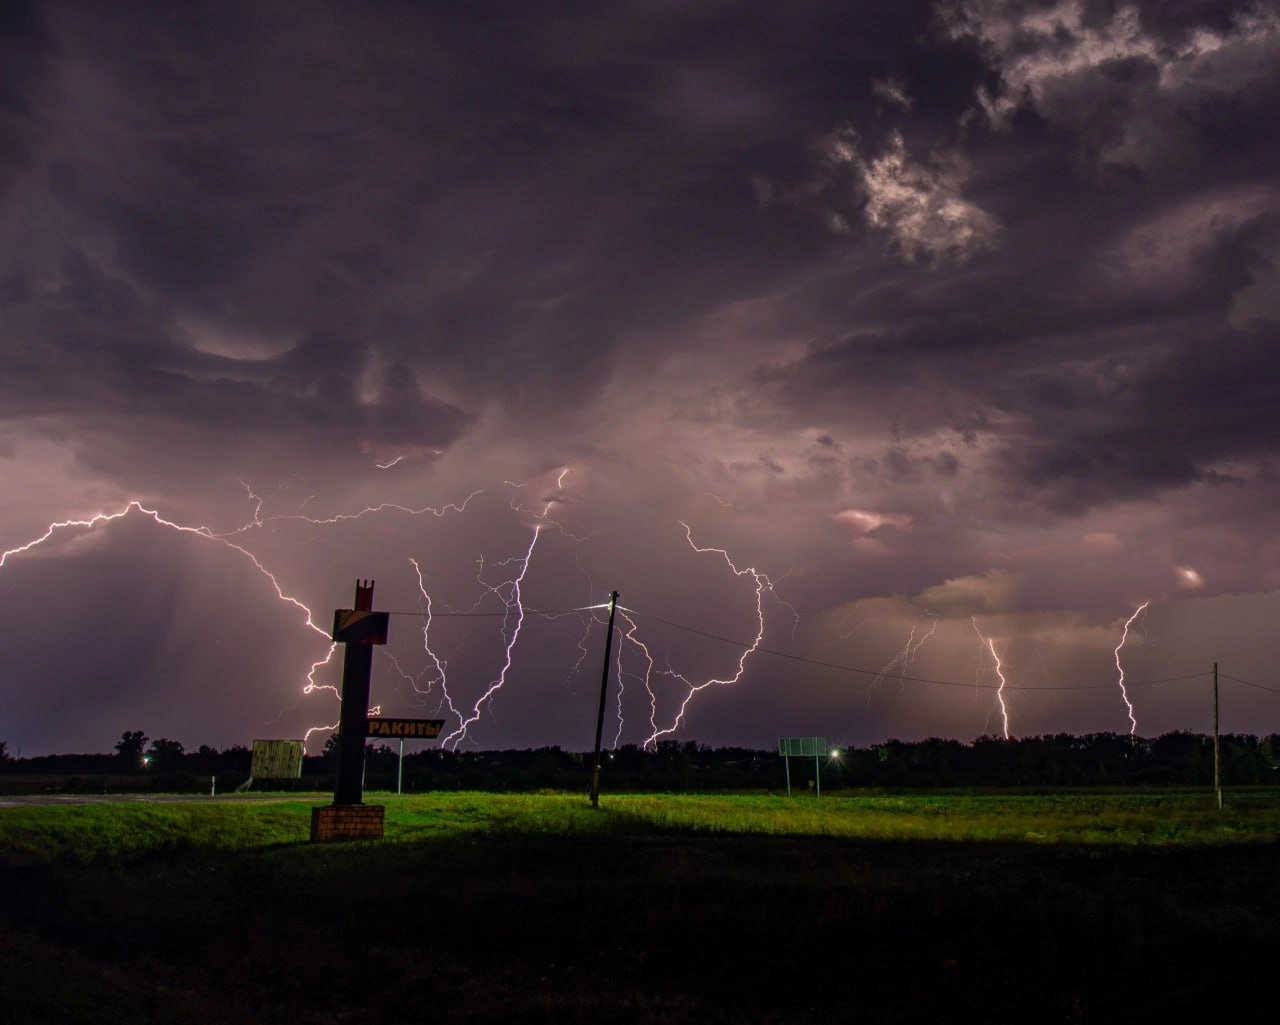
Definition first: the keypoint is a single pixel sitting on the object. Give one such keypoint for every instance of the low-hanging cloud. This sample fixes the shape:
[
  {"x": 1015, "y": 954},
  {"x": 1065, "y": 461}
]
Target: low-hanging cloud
[{"x": 918, "y": 205}]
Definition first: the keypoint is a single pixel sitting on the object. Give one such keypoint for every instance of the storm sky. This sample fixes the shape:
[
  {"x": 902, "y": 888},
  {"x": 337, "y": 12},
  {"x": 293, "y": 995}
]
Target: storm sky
[{"x": 956, "y": 321}]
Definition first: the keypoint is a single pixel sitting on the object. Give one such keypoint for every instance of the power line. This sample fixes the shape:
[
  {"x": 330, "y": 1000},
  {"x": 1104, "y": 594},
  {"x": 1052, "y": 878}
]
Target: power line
[
  {"x": 1256, "y": 686},
  {"x": 910, "y": 679},
  {"x": 1168, "y": 679},
  {"x": 839, "y": 667},
  {"x": 484, "y": 615}
]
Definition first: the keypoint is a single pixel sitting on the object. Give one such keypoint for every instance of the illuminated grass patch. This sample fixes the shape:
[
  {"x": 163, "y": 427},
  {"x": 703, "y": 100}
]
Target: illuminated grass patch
[{"x": 137, "y": 830}]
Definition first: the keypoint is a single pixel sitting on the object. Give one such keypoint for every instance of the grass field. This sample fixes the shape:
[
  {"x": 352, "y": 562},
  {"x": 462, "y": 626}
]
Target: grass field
[{"x": 482, "y": 907}]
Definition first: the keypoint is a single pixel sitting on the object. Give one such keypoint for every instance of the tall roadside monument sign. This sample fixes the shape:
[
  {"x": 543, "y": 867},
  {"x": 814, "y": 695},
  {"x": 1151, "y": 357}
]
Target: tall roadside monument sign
[{"x": 349, "y": 818}]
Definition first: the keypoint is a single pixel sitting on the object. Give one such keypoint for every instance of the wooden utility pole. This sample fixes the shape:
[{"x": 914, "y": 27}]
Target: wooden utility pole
[
  {"x": 1217, "y": 752},
  {"x": 604, "y": 693}
]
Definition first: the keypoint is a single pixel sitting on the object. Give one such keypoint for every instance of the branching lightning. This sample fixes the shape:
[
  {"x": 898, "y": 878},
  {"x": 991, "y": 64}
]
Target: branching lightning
[
  {"x": 509, "y": 593},
  {"x": 762, "y": 584},
  {"x": 646, "y": 677},
  {"x": 256, "y": 522},
  {"x": 638, "y": 662},
  {"x": 901, "y": 662},
  {"x": 207, "y": 534},
  {"x": 1133, "y": 722},
  {"x": 328, "y": 521},
  {"x": 438, "y": 664}
]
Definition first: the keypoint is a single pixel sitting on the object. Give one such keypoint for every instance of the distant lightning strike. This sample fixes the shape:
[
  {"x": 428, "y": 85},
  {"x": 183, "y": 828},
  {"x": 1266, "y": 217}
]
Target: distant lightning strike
[
  {"x": 583, "y": 651},
  {"x": 258, "y": 521},
  {"x": 203, "y": 532},
  {"x": 646, "y": 678},
  {"x": 762, "y": 584},
  {"x": 990, "y": 644},
  {"x": 437, "y": 511},
  {"x": 510, "y": 593},
  {"x": 903, "y": 659},
  {"x": 440, "y": 665},
  {"x": 1133, "y": 722},
  {"x": 512, "y": 599},
  {"x": 207, "y": 534},
  {"x": 851, "y": 630}
]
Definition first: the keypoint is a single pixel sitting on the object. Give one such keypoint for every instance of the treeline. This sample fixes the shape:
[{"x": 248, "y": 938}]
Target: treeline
[
  {"x": 1096, "y": 759},
  {"x": 1099, "y": 759}
]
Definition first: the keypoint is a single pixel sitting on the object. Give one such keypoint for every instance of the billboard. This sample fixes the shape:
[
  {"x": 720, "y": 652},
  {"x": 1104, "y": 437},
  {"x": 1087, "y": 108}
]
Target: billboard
[
  {"x": 802, "y": 747},
  {"x": 277, "y": 759}
]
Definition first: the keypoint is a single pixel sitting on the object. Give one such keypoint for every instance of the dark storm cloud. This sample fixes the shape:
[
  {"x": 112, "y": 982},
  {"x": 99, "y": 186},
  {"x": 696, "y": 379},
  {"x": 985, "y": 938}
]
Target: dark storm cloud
[
  {"x": 24, "y": 60},
  {"x": 910, "y": 302},
  {"x": 490, "y": 202},
  {"x": 1077, "y": 327}
]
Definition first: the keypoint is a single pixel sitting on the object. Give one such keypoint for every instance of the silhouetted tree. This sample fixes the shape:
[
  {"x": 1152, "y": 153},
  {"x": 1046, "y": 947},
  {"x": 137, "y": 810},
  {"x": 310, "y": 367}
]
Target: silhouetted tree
[
  {"x": 131, "y": 745},
  {"x": 165, "y": 753}
]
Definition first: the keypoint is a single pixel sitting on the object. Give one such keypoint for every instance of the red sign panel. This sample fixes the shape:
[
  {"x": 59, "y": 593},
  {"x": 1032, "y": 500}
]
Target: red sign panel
[
  {"x": 356, "y": 626},
  {"x": 406, "y": 729}
]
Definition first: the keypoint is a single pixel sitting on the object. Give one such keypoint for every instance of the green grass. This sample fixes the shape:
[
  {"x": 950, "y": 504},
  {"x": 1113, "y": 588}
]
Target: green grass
[
  {"x": 132, "y": 831},
  {"x": 657, "y": 908},
  {"x": 125, "y": 832},
  {"x": 1117, "y": 818}
]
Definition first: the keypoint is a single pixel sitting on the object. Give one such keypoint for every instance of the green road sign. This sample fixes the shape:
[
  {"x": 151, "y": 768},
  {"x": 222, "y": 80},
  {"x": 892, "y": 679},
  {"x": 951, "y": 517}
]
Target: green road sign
[{"x": 802, "y": 747}]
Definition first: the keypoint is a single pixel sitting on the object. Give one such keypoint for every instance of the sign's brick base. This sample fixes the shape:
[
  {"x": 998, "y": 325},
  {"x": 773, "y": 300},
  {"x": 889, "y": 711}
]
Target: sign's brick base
[{"x": 346, "y": 822}]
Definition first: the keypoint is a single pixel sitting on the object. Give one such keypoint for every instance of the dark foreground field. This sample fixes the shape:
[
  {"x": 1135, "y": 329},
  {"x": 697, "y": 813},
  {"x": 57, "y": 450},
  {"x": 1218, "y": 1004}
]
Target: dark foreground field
[{"x": 485, "y": 909}]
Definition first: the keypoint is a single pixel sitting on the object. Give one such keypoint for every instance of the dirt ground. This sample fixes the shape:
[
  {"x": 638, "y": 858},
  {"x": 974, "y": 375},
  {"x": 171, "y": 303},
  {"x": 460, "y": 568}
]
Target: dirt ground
[{"x": 659, "y": 928}]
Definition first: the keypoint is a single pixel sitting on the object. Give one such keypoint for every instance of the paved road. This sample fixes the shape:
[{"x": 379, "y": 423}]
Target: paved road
[{"x": 31, "y": 800}]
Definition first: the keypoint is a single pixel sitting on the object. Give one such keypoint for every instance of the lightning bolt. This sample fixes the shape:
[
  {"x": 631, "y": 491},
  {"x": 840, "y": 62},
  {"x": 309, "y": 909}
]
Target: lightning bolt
[
  {"x": 1133, "y": 722},
  {"x": 437, "y": 511},
  {"x": 903, "y": 659},
  {"x": 256, "y": 522},
  {"x": 762, "y": 584},
  {"x": 849, "y": 631},
  {"x": 509, "y": 593},
  {"x": 440, "y": 665},
  {"x": 990, "y": 644},
  {"x": 583, "y": 651},
  {"x": 646, "y": 677},
  {"x": 205, "y": 534}
]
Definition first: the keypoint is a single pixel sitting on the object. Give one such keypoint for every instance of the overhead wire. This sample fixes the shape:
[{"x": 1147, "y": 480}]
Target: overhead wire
[
  {"x": 823, "y": 664},
  {"x": 1256, "y": 686},
  {"x": 894, "y": 676},
  {"x": 483, "y": 615}
]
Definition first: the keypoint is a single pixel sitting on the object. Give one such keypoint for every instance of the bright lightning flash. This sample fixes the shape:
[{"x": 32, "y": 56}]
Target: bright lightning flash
[
  {"x": 990, "y": 644},
  {"x": 207, "y": 534},
  {"x": 762, "y": 585},
  {"x": 509, "y": 593},
  {"x": 1133, "y": 722}
]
